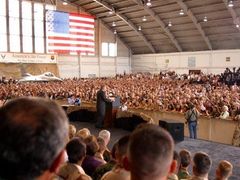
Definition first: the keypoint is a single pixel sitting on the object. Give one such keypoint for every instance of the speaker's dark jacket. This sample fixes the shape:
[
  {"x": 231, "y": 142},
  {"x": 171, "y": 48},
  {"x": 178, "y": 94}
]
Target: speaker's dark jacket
[{"x": 101, "y": 102}]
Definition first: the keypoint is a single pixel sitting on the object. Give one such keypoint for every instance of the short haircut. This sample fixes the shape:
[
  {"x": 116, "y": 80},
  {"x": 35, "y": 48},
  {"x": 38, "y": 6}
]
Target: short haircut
[
  {"x": 32, "y": 134},
  {"x": 92, "y": 145},
  {"x": 72, "y": 131},
  {"x": 202, "y": 163},
  {"x": 150, "y": 151},
  {"x": 76, "y": 150},
  {"x": 122, "y": 145},
  {"x": 105, "y": 134},
  {"x": 225, "y": 169},
  {"x": 185, "y": 157},
  {"x": 83, "y": 133}
]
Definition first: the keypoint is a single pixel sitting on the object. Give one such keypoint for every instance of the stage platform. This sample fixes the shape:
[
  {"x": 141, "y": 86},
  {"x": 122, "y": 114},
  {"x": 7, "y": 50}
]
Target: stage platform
[
  {"x": 217, "y": 151},
  {"x": 210, "y": 129}
]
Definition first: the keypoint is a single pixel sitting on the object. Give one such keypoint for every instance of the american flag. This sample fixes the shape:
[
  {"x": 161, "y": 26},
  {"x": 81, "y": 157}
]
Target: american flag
[{"x": 70, "y": 33}]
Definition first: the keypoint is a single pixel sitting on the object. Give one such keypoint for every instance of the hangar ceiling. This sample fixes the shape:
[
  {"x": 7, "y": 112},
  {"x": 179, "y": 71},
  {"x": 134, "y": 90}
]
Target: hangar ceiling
[{"x": 165, "y": 29}]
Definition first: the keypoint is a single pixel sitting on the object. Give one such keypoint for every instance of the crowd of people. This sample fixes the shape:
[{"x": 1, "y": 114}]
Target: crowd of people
[
  {"x": 37, "y": 142},
  {"x": 160, "y": 92}
]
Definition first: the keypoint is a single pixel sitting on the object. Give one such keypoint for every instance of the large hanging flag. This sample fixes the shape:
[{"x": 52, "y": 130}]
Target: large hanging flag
[{"x": 69, "y": 33}]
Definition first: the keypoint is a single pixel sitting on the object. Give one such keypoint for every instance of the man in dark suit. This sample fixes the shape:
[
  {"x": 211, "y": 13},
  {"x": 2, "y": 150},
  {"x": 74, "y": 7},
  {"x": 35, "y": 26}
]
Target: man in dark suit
[{"x": 101, "y": 106}]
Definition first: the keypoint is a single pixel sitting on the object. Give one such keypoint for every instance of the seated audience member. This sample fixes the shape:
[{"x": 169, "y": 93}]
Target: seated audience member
[
  {"x": 224, "y": 170},
  {"x": 118, "y": 172},
  {"x": 173, "y": 175},
  {"x": 150, "y": 153},
  {"x": 101, "y": 170},
  {"x": 72, "y": 131},
  {"x": 90, "y": 163},
  {"x": 33, "y": 133},
  {"x": 201, "y": 166},
  {"x": 224, "y": 114},
  {"x": 106, "y": 135},
  {"x": 185, "y": 160},
  {"x": 101, "y": 150},
  {"x": 72, "y": 170},
  {"x": 83, "y": 133}
]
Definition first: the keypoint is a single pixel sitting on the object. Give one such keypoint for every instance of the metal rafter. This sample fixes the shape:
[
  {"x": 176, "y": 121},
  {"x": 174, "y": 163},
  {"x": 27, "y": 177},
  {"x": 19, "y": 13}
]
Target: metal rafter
[
  {"x": 195, "y": 22},
  {"x": 108, "y": 27},
  {"x": 127, "y": 21},
  {"x": 235, "y": 18},
  {"x": 161, "y": 23}
]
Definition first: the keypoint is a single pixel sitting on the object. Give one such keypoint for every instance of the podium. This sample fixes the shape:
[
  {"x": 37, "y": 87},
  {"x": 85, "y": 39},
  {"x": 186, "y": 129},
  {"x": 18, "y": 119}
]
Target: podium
[{"x": 111, "y": 112}]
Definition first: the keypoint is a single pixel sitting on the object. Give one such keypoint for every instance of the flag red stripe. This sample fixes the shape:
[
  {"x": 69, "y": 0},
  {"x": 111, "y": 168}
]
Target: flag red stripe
[
  {"x": 81, "y": 27},
  {"x": 69, "y": 39},
  {"x": 82, "y": 15},
  {"x": 79, "y": 21},
  {"x": 70, "y": 45},
  {"x": 83, "y": 34}
]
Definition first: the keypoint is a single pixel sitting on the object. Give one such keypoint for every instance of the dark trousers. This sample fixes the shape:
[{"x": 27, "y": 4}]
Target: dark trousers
[
  {"x": 192, "y": 126},
  {"x": 100, "y": 119}
]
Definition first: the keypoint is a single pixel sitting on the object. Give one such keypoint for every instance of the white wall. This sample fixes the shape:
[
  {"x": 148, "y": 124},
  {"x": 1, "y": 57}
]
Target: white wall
[{"x": 206, "y": 61}]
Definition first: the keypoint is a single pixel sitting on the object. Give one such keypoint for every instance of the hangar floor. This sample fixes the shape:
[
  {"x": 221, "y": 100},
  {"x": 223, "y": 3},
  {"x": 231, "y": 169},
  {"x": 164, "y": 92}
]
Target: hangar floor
[{"x": 217, "y": 151}]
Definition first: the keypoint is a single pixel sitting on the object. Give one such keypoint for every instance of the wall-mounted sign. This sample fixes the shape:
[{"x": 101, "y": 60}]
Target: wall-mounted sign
[
  {"x": 228, "y": 59},
  {"x": 27, "y": 58},
  {"x": 191, "y": 61}
]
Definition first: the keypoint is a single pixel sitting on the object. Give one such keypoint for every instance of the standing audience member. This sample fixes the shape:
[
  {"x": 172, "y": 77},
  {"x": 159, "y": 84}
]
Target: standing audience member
[
  {"x": 101, "y": 150},
  {"x": 90, "y": 163},
  {"x": 72, "y": 131},
  {"x": 201, "y": 166},
  {"x": 185, "y": 161},
  {"x": 192, "y": 120},
  {"x": 83, "y": 133},
  {"x": 150, "y": 154},
  {"x": 72, "y": 170},
  {"x": 224, "y": 170},
  {"x": 118, "y": 172},
  {"x": 33, "y": 133},
  {"x": 173, "y": 175},
  {"x": 106, "y": 135}
]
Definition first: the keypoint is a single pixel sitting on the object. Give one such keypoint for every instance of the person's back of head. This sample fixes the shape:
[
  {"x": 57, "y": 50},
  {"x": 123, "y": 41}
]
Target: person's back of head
[
  {"x": 76, "y": 150},
  {"x": 185, "y": 158},
  {"x": 121, "y": 149},
  {"x": 201, "y": 164},
  {"x": 72, "y": 131},
  {"x": 106, "y": 135},
  {"x": 33, "y": 132},
  {"x": 83, "y": 133},
  {"x": 150, "y": 153},
  {"x": 101, "y": 144},
  {"x": 224, "y": 170},
  {"x": 92, "y": 145}
]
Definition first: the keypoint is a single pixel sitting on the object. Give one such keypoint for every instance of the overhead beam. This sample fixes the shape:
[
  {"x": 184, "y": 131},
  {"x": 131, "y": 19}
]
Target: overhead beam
[
  {"x": 108, "y": 27},
  {"x": 235, "y": 18},
  {"x": 160, "y": 23},
  {"x": 195, "y": 22},
  {"x": 130, "y": 24}
]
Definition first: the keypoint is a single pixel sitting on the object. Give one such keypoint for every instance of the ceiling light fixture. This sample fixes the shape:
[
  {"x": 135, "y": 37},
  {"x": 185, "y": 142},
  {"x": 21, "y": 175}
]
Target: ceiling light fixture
[
  {"x": 230, "y": 4},
  {"x": 149, "y": 3},
  {"x": 181, "y": 12},
  {"x": 113, "y": 24},
  {"x": 237, "y": 26},
  {"x": 115, "y": 31},
  {"x": 110, "y": 12},
  {"x": 169, "y": 24},
  {"x": 139, "y": 28},
  {"x": 205, "y": 19},
  {"x": 65, "y": 3},
  {"x": 144, "y": 18}
]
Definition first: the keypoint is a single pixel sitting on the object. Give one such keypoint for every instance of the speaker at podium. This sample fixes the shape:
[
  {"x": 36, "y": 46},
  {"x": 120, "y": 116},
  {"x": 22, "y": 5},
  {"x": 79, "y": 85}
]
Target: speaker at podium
[{"x": 175, "y": 128}]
